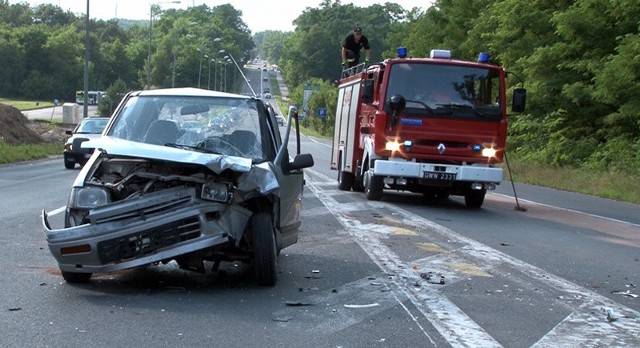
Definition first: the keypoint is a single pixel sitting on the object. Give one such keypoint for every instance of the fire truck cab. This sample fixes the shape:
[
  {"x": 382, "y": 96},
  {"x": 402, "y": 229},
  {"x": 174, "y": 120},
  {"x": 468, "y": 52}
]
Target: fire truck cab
[{"x": 435, "y": 126}]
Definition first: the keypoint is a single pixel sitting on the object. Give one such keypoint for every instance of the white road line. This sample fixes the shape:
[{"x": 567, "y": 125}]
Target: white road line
[
  {"x": 585, "y": 326},
  {"x": 451, "y": 322}
]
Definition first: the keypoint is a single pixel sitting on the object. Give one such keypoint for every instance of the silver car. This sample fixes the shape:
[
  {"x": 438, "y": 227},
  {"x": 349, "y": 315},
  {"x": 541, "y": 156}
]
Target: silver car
[{"x": 153, "y": 192}]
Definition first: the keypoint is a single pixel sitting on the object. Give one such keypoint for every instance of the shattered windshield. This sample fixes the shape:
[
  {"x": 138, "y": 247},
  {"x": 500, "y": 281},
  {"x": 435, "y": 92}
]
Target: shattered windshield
[
  {"x": 446, "y": 90},
  {"x": 227, "y": 126}
]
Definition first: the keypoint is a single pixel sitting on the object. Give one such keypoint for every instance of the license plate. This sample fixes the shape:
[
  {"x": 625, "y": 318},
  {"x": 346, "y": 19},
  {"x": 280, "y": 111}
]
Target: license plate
[{"x": 439, "y": 176}]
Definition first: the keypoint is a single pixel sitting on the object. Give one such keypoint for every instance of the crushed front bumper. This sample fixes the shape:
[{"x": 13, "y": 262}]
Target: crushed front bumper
[{"x": 151, "y": 228}]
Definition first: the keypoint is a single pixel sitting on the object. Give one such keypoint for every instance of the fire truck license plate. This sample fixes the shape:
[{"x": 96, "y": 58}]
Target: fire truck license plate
[{"x": 439, "y": 176}]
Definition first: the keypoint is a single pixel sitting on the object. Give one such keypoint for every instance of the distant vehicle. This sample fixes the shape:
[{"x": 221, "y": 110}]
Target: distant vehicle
[
  {"x": 268, "y": 96},
  {"x": 88, "y": 128},
  {"x": 280, "y": 120},
  {"x": 94, "y": 97}
]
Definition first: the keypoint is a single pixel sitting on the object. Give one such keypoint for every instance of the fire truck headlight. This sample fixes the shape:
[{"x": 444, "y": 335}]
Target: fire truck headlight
[
  {"x": 489, "y": 152},
  {"x": 392, "y": 146}
]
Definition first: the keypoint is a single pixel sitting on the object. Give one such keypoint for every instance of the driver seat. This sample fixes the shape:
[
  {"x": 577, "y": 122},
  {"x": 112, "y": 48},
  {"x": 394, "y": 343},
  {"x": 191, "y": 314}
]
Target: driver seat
[{"x": 161, "y": 132}]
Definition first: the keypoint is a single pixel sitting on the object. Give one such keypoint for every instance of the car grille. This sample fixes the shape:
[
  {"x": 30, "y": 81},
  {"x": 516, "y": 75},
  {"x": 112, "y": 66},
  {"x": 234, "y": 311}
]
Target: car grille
[{"x": 144, "y": 243}]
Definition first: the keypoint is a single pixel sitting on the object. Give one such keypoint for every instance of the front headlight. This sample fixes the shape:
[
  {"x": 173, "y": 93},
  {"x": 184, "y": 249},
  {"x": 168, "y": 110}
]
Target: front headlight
[
  {"x": 490, "y": 152},
  {"x": 214, "y": 191},
  {"x": 89, "y": 197}
]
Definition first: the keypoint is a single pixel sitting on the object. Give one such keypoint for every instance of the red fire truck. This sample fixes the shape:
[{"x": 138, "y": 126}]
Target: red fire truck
[{"x": 435, "y": 126}]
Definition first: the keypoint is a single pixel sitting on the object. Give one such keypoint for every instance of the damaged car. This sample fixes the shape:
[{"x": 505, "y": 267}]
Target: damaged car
[{"x": 154, "y": 192}]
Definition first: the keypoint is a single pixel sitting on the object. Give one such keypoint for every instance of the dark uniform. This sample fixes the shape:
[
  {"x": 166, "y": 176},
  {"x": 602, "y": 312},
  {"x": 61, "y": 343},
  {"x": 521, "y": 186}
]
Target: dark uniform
[{"x": 353, "y": 48}]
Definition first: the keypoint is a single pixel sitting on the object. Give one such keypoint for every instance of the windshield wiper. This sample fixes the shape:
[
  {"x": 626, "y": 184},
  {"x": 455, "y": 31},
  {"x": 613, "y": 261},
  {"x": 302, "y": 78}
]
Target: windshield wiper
[
  {"x": 458, "y": 106},
  {"x": 423, "y": 104},
  {"x": 190, "y": 147}
]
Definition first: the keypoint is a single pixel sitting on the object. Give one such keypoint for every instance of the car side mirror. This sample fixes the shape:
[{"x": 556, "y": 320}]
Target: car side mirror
[
  {"x": 367, "y": 91},
  {"x": 77, "y": 143},
  {"x": 519, "y": 100},
  {"x": 301, "y": 161}
]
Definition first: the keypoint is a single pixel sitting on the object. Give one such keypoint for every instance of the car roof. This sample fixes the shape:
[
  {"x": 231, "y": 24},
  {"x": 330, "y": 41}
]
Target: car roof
[{"x": 187, "y": 92}]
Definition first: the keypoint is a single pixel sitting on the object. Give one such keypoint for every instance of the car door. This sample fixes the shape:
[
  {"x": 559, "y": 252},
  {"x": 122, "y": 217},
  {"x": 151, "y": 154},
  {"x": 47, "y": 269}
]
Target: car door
[{"x": 291, "y": 182}]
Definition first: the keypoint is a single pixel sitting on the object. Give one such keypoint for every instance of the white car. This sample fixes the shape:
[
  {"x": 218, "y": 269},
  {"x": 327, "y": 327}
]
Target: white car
[{"x": 153, "y": 192}]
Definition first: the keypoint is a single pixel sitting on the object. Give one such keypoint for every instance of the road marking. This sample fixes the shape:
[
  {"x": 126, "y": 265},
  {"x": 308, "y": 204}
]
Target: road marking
[
  {"x": 450, "y": 321},
  {"x": 585, "y": 326}
]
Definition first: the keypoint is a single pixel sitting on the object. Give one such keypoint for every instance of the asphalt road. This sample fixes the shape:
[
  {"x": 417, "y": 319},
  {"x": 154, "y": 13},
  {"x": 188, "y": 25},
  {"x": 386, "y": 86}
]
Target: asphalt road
[
  {"x": 401, "y": 272},
  {"x": 358, "y": 276}
]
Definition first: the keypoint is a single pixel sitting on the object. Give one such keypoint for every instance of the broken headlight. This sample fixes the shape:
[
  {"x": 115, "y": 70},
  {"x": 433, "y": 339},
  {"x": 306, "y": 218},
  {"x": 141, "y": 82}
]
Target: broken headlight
[
  {"x": 88, "y": 197},
  {"x": 214, "y": 191}
]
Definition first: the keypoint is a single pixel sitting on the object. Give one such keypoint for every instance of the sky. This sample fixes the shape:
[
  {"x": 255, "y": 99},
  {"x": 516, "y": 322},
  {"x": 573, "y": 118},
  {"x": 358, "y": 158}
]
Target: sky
[{"x": 259, "y": 15}]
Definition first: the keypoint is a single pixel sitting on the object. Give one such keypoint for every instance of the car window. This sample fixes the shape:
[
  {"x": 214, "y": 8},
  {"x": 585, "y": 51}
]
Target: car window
[
  {"x": 229, "y": 126},
  {"x": 91, "y": 126}
]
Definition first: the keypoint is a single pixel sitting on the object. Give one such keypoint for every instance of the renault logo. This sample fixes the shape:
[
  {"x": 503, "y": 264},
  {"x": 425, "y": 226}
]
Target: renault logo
[{"x": 441, "y": 148}]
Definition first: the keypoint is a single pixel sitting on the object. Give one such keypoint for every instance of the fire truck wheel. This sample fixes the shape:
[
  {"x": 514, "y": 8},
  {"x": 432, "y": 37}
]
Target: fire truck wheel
[
  {"x": 345, "y": 180},
  {"x": 373, "y": 186},
  {"x": 474, "y": 198}
]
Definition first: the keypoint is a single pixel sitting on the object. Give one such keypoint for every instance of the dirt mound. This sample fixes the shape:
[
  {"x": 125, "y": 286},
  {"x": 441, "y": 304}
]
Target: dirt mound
[{"x": 16, "y": 129}]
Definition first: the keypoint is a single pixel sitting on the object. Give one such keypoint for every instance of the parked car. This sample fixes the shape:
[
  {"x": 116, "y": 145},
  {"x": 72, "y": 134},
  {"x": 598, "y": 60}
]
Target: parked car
[
  {"x": 280, "y": 120},
  {"x": 88, "y": 128},
  {"x": 155, "y": 193}
]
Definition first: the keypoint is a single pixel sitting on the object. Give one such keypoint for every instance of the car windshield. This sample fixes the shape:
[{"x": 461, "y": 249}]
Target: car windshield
[
  {"x": 91, "y": 126},
  {"x": 447, "y": 91},
  {"x": 222, "y": 125}
]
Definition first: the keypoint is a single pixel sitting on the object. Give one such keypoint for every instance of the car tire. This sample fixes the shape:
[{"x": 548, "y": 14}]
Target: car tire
[
  {"x": 69, "y": 165},
  {"x": 373, "y": 186},
  {"x": 474, "y": 198},
  {"x": 75, "y": 278},
  {"x": 264, "y": 249}
]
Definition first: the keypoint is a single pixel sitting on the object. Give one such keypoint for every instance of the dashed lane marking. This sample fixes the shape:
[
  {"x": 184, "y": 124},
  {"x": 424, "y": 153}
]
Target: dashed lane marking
[{"x": 585, "y": 325}]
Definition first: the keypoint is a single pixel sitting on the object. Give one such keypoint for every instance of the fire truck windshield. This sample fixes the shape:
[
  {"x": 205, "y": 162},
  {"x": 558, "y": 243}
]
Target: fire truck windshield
[{"x": 446, "y": 90}]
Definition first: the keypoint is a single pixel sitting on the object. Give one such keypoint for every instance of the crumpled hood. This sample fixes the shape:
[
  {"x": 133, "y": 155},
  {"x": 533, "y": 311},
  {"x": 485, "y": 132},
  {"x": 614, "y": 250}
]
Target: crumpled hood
[
  {"x": 256, "y": 180},
  {"x": 217, "y": 163}
]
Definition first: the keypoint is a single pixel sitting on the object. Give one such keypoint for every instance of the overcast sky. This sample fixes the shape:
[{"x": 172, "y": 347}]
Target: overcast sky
[{"x": 259, "y": 15}]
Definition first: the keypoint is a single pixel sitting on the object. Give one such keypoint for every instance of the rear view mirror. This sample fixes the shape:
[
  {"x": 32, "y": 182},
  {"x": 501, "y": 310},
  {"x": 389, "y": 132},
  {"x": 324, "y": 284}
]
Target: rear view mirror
[{"x": 519, "y": 100}]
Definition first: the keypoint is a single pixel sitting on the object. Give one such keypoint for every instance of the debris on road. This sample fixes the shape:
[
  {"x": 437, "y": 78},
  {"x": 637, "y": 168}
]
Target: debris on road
[
  {"x": 298, "y": 303},
  {"x": 375, "y": 304},
  {"x": 433, "y": 278},
  {"x": 283, "y": 319}
]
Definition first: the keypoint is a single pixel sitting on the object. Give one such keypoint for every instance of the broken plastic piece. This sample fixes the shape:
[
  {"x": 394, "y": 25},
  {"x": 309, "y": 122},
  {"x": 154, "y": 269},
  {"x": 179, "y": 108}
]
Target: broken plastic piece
[{"x": 375, "y": 304}]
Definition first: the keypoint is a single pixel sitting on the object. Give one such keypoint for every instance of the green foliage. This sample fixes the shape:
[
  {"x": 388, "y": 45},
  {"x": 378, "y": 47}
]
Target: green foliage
[
  {"x": 114, "y": 95},
  {"x": 17, "y": 153}
]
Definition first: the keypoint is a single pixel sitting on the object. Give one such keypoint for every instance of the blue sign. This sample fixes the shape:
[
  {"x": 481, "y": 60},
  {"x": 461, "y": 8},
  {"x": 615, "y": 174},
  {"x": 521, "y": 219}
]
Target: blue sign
[
  {"x": 411, "y": 121},
  {"x": 322, "y": 113}
]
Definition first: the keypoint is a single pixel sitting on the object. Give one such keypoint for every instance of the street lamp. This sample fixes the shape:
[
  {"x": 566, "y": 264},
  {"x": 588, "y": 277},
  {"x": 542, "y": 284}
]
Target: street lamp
[
  {"x": 241, "y": 73},
  {"x": 151, "y": 35},
  {"x": 209, "y": 72},
  {"x": 200, "y": 68}
]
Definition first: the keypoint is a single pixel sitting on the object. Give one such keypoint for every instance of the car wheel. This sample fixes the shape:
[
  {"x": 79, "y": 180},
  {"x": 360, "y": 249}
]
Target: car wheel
[
  {"x": 373, "y": 186},
  {"x": 75, "y": 278},
  {"x": 69, "y": 165},
  {"x": 264, "y": 248},
  {"x": 474, "y": 198}
]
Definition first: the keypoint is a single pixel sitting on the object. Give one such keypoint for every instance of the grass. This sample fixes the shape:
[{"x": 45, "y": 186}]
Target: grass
[
  {"x": 617, "y": 186},
  {"x": 21, "y": 153},
  {"x": 27, "y": 104}
]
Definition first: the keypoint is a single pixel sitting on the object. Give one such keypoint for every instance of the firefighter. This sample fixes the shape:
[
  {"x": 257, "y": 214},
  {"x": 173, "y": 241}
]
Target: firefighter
[{"x": 351, "y": 46}]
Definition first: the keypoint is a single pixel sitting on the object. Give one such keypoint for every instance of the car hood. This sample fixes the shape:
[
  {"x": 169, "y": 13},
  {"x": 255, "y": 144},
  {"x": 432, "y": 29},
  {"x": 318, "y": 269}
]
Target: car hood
[
  {"x": 255, "y": 179},
  {"x": 120, "y": 147}
]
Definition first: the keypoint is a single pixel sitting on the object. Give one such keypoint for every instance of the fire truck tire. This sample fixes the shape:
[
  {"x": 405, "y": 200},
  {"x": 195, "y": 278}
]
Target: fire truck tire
[
  {"x": 474, "y": 198},
  {"x": 358, "y": 184},
  {"x": 373, "y": 186},
  {"x": 345, "y": 180}
]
